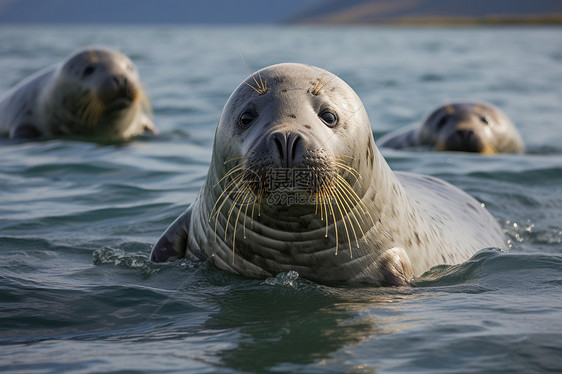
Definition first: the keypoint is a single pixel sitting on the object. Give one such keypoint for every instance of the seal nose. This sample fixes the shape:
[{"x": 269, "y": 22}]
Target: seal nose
[
  {"x": 118, "y": 86},
  {"x": 287, "y": 145},
  {"x": 119, "y": 80},
  {"x": 465, "y": 136},
  {"x": 122, "y": 85},
  {"x": 464, "y": 140}
]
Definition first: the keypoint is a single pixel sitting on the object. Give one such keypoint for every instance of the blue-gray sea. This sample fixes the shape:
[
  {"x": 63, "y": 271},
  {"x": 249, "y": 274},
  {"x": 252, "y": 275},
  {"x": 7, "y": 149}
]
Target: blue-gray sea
[{"x": 78, "y": 219}]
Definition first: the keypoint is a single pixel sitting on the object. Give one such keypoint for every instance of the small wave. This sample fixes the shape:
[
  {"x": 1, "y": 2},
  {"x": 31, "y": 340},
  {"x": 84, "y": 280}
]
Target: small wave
[
  {"x": 490, "y": 269},
  {"x": 109, "y": 256},
  {"x": 544, "y": 150}
]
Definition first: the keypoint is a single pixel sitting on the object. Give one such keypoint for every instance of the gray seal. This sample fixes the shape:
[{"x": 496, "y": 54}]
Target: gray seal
[
  {"x": 95, "y": 93},
  {"x": 296, "y": 183},
  {"x": 465, "y": 127}
]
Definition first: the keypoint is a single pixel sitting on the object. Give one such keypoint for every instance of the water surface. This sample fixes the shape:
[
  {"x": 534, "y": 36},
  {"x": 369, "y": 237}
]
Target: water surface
[{"x": 77, "y": 219}]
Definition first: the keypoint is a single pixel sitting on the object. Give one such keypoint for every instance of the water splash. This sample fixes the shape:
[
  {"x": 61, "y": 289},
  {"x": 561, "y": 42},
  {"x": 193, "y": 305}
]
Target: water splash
[
  {"x": 109, "y": 256},
  {"x": 283, "y": 279}
]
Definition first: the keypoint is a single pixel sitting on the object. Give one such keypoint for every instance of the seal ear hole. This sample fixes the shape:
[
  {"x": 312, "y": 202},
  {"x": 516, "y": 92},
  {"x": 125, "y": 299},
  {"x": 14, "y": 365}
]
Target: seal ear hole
[
  {"x": 329, "y": 118},
  {"x": 246, "y": 119},
  {"x": 88, "y": 70}
]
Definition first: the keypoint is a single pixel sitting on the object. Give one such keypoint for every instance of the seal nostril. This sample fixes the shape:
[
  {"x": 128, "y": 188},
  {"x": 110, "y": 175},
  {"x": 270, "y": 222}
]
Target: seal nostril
[
  {"x": 287, "y": 145},
  {"x": 464, "y": 135},
  {"x": 293, "y": 145},
  {"x": 279, "y": 140},
  {"x": 119, "y": 81}
]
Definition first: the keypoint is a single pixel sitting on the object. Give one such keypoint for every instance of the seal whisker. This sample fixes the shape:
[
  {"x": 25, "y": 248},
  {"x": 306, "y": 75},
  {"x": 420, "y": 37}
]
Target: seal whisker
[
  {"x": 251, "y": 193},
  {"x": 237, "y": 197},
  {"x": 252, "y": 87},
  {"x": 234, "y": 180},
  {"x": 325, "y": 84},
  {"x": 261, "y": 86},
  {"x": 325, "y": 202},
  {"x": 99, "y": 110},
  {"x": 353, "y": 204},
  {"x": 350, "y": 212},
  {"x": 351, "y": 170},
  {"x": 314, "y": 90},
  {"x": 95, "y": 109},
  {"x": 246, "y": 187},
  {"x": 335, "y": 197},
  {"x": 84, "y": 107},
  {"x": 83, "y": 103},
  {"x": 263, "y": 83},
  {"x": 355, "y": 196},
  {"x": 233, "y": 170},
  {"x": 250, "y": 71},
  {"x": 235, "y": 158},
  {"x": 349, "y": 204},
  {"x": 313, "y": 191},
  {"x": 222, "y": 204},
  {"x": 333, "y": 218},
  {"x": 90, "y": 111},
  {"x": 259, "y": 202}
]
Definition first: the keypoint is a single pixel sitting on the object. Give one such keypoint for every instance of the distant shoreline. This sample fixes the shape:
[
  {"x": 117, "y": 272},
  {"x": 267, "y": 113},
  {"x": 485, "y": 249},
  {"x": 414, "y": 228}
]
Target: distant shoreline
[{"x": 555, "y": 19}]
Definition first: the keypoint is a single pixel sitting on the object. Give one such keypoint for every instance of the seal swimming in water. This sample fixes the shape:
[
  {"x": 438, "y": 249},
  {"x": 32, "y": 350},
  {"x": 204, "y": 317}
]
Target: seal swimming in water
[
  {"x": 95, "y": 93},
  {"x": 297, "y": 183},
  {"x": 466, "y": 127}
]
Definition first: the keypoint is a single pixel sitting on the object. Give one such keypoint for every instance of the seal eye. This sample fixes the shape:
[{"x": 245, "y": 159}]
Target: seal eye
[
  {"x": 88, "y": 70},
  {"x": 329, "y": 118},
  {"x": 485, "y": 120},
  {"x": 441, "y": 123},
  {"x": 246, "y": 119}
]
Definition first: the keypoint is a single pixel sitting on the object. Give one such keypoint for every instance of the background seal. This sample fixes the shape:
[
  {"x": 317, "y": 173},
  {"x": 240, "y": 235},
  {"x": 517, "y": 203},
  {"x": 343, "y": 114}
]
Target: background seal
[
  {"x": 465, "y": 127},
  {"x": 94, "y": 94}
]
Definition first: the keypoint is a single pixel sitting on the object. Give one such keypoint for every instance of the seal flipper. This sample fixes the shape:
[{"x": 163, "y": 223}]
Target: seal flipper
[
  {"x": 148, "y": 126},
  {"x": 24, "y": 131},
  {"x": 173, "y": 243},
  {"x": 395, "y": 267}
]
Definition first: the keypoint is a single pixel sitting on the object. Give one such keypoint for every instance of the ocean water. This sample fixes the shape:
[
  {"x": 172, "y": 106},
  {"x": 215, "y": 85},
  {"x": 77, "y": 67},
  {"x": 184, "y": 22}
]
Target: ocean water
[{"x": 78, "y": 219}]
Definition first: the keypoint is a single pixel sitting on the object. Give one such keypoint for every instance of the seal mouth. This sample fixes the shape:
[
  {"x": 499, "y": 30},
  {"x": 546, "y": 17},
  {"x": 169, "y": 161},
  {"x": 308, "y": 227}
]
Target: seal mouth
[
  {"x": 317, "y": 179},
  {"x": 321, "y": 190},
  {"x": 120, "y": 103},
  {"x": 94, "y": 106},
  {"x": 461, "y": 141}
]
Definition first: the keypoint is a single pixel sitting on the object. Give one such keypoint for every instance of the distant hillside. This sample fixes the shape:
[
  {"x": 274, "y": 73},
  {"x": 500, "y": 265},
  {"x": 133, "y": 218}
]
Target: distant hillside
[
  {"x": 149, "y": 11},
  {"x": 431, "y": 12}
]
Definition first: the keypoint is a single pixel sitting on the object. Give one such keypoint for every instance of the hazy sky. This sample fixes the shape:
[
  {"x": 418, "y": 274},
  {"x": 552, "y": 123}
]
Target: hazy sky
[{"x": 150, "y": 11}]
